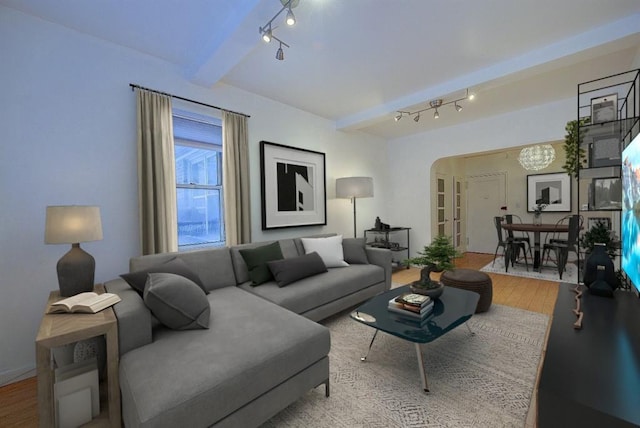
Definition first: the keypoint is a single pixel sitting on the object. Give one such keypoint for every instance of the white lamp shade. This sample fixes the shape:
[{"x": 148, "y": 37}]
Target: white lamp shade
[
  {"x": 70, "y": 224},
  {"x": 354, "y": 187}
]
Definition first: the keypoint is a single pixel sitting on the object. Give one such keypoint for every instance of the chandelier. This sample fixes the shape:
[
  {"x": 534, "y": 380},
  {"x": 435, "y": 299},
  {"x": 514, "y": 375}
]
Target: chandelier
[{"x": 535, "y": 158}]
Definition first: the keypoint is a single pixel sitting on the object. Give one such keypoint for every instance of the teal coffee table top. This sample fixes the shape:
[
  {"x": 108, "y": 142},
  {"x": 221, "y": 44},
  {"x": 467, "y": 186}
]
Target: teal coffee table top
[{"x": 453, "y": 308}]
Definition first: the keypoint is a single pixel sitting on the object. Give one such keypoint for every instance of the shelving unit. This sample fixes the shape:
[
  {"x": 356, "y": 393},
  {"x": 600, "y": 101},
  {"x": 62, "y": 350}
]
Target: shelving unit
[
  {"x": 608, "y": 113},
  {"x": 379, "y": 238}
]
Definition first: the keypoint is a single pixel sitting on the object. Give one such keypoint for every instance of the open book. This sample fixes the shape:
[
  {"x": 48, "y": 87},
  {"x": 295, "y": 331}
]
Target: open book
[{"x": 87, "y": 303}]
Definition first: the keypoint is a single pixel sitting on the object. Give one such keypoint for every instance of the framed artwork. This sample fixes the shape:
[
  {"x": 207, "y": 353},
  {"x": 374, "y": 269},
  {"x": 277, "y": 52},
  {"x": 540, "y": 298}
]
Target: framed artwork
[
  {"x": 552, "y": 189},
  {"x": 606, "y": 194},
  {"x": 593, "y": 221},
  {"x": 605, "y": 151},
  {"x": 293, "y": 186},
  {"x": 604, "y": 109}
]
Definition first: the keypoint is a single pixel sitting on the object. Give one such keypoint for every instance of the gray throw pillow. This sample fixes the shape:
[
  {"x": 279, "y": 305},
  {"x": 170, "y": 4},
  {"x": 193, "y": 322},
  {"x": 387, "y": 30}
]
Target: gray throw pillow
[
  {"x": 137, "y": 280},
  {"x": 177, "y": 301},
  {"x": 354, "y": 251},
  {"x": 290, "y": 270},
  {"x": 256, "y": 260}
]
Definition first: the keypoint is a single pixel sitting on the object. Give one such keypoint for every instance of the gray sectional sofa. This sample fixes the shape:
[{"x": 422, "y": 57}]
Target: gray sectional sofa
[{"x": 262, "y": 349}]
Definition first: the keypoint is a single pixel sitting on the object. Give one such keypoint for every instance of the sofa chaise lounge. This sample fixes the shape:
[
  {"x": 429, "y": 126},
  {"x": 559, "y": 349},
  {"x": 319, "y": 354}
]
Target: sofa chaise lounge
[{"x": 262, "y": 349}]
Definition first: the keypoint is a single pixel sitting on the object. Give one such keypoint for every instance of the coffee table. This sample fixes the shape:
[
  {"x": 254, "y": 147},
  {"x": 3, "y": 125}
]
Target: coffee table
[{"x": 453, "y": 308}]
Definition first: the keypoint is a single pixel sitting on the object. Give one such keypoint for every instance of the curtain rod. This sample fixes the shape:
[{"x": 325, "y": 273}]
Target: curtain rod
[{"x": 133, "y": 86}]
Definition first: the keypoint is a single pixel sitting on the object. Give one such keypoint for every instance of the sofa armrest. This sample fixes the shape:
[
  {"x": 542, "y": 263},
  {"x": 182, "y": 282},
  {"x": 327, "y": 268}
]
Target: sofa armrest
[
  {"x": 134, "y": 318},
  {"x": 382, "y": 258}
]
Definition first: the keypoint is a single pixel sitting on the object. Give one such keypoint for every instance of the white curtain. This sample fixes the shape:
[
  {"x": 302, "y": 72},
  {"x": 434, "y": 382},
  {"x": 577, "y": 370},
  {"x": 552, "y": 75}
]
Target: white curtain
[
  {"x": 156, "y": 173},
  {"x": 235, "y": 170}
]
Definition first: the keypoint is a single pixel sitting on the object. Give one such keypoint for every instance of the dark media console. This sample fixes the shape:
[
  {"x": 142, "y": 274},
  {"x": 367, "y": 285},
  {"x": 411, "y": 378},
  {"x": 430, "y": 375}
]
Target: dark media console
[{"x": 591, "y": 377}]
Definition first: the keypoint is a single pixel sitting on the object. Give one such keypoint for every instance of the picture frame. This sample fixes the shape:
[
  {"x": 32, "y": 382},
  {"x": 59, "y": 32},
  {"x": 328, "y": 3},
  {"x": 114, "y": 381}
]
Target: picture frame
[
  {"x": 293, "y": 186},
  {"x": 605, "y": 151},
  {"x": 604, "y": 109},
  {"x": 552, "y": 189},
  {"x": 593, "y": 221},
  {"x": 606, "y": 194}
]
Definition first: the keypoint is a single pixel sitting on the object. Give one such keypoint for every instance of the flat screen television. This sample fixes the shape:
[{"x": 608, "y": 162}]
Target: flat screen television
[{"x": 631, "y": 211}]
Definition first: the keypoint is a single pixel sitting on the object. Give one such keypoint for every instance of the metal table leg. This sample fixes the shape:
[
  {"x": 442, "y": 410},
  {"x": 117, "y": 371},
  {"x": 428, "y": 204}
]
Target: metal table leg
[
  {"x": 370, "y": 345},
  {"x": 423, "y": 373}
]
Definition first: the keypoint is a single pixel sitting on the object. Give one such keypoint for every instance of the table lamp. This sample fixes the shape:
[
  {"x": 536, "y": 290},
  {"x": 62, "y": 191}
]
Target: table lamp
[
  {"x": 352, "y": 188},
  {"x": 72, "y": 224}
]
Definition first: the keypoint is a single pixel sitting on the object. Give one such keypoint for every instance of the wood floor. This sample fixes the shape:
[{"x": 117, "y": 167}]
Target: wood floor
[{"x": 18, "y": 401}]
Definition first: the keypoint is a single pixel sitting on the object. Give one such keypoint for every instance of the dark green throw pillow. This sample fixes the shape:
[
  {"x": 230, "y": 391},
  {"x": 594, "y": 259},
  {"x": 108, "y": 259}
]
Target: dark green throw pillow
[
  {"x": 256, "y": 260},
  {"x": 138, "y": 279}
]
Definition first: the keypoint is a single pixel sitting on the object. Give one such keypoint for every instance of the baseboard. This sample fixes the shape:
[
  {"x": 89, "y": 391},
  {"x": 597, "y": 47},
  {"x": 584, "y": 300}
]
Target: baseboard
[{"x": 17, "y": 375}]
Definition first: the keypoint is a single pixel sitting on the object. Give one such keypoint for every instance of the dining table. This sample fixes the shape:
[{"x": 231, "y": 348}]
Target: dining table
[{"x": 537, "y": 229}]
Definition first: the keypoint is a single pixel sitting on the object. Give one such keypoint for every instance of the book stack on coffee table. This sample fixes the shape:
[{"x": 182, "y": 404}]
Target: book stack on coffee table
[{"x": 411, "y": 305}]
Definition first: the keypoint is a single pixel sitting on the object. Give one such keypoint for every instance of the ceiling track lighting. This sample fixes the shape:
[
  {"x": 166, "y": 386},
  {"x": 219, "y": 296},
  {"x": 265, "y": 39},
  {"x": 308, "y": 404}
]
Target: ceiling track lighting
[
  {"x": 266, "y": 31},
  {"x": 434, "y": 105}
]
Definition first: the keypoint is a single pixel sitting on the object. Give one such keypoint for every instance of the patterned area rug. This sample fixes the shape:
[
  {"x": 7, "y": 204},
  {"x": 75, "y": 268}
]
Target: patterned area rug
[
  {"x": 548, "y": 273},
  {"x": 485, "y": 380}
]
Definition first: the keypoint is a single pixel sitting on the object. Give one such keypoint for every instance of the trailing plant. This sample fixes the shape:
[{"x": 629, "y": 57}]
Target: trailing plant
[{"x": 574, "y": 153}]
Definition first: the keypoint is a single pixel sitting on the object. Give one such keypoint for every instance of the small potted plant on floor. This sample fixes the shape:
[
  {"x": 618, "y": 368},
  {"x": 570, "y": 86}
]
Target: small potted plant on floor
[{"x": 436, "y": 257}]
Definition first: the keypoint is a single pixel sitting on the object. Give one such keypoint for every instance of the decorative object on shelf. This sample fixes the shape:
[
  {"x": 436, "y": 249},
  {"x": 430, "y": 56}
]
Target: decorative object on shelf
[
  {"x": 436, "y": 257},
  {"x": 72, "y": 224},
  {"x": 553, "y": 189},
  {"x": 535, "y": 158},
  {"x": 537, "y": 213},
  {"x": 297, "y": 176},
  {"x": 606, "y": 194},
  {"x": 266, "y": 31},
  {"x": 574, "y": 153},
  {"x": 352, "y": 188},
  {"x": 599, "y": 273},
  {"x": 604, "y": 109},
  {"x": 377, "y": 224},
  {"x": 605, "y": 150},
  {"x": 435, "y": 105}
]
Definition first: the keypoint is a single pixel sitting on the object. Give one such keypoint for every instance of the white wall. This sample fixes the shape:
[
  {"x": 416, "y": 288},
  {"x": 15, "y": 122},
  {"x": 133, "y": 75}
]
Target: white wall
[
  {"x": 411, "y": 157},
  {"x": 68, "y": 136}
]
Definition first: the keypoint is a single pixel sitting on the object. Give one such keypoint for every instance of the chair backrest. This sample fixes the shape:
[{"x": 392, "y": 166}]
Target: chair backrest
[
  {"x": 508, "y": 218},
  {"x": 497, "y": 221}
]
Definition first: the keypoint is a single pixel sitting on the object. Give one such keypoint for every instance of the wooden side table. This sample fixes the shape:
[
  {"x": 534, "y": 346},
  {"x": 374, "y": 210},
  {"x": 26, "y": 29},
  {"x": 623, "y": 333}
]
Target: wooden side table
[{"x": 61, "y": 329}]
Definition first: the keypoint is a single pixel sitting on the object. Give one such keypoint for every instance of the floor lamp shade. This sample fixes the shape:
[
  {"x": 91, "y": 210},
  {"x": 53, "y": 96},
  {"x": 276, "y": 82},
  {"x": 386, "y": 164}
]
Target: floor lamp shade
[
  {"x": 72, "y": 224},
  {"x": 352, "y": 188}
]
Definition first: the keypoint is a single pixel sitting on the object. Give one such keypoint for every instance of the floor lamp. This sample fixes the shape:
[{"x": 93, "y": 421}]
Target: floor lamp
[{"x": 352, "y": 188}]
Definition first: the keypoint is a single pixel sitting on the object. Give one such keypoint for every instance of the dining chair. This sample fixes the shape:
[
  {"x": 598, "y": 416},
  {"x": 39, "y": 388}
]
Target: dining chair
[
  {"x": 524, "y": 237},
  {"x": 561, "y": 248},
  {"x": 510, "y": 248}
]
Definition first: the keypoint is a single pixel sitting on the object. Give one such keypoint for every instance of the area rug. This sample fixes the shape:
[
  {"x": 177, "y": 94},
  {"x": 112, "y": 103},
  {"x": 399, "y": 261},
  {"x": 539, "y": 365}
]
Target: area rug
[
  {"x": 485, "y": 380},
  {"x": 548, "y": 273}
]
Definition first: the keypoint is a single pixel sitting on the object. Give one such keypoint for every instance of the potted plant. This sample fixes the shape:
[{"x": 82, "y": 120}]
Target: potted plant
[
  {"x": 436, "y": 257},
  {"x": 537, "y": 213},
  {"x": 598, "y": 234}
]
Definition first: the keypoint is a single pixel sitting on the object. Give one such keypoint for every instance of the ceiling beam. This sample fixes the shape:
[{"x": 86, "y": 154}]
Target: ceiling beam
[
  {"x": 616, "y": 30},
  {"x": 227, "y": 45}
]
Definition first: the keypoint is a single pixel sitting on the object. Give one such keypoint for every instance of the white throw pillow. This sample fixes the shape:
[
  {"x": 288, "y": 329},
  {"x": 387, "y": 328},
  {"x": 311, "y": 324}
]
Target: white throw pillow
[{"x": 329, "y": 249}]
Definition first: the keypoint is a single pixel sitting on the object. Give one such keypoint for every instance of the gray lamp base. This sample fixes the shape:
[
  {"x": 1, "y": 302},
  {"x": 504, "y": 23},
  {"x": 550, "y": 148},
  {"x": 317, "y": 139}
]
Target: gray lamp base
[{"x": 76, "y": 271}]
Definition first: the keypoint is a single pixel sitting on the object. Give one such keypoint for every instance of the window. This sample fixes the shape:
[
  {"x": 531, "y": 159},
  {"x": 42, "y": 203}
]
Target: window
[{"x": 198, "y": 154}]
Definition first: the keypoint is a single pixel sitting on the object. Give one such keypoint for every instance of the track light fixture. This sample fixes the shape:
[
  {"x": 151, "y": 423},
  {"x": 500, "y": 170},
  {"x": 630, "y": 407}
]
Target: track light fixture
[
  {"x": 266, "y": 31},
  {"x": 280, "y": 53},
  {"x": 434, "y": 105}
]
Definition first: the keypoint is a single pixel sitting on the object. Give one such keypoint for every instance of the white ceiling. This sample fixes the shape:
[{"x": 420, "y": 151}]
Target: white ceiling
[{"x": 357, "y": 62}]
